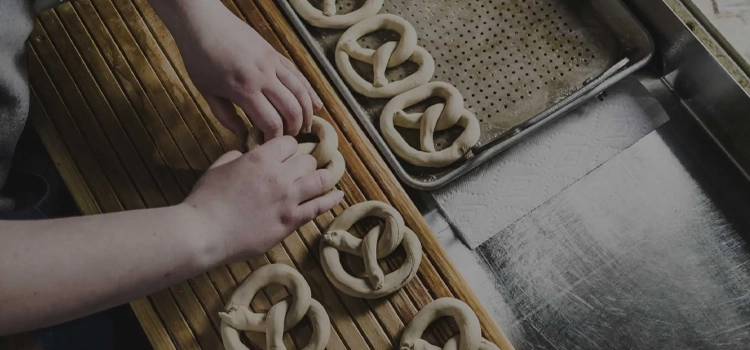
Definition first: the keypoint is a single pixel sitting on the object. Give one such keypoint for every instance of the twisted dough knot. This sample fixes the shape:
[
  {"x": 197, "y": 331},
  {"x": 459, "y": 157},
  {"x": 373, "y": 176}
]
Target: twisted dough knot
[
  {"x": 327, "y": 18},
  {"x": 325, "y": 151},
  {"x": 281, "y": 317},
  {"x": 470, "y": 333},
  {"x": 437, "y": 117},
  {"x": 380, "y": 242},
  {"x": 388, "y": 55}
]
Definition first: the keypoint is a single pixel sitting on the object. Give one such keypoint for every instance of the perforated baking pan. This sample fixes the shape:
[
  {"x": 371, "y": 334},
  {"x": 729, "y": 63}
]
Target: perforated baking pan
[{"x": 518, "y": 63}]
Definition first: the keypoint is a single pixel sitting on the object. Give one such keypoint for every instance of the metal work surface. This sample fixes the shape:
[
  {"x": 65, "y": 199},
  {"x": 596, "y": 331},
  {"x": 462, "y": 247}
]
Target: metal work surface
[
  {"x": 650, "y": 263},
  {"x": 719, "y": 101},
  {"x": 518, "y": 65},
  {"x": 648, "y": 251}
]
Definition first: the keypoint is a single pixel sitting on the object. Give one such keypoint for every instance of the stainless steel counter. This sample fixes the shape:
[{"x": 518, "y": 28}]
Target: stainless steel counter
[{"x": 647, "y": 251}]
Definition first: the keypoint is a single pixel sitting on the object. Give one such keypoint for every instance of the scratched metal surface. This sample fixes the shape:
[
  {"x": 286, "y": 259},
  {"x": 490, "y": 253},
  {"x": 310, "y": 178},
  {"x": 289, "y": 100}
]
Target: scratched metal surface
[{"x": 649, "y": 251}]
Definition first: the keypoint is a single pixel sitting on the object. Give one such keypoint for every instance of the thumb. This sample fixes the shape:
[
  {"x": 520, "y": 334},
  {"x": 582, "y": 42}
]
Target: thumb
[
  {"x": 225, "y": 158},
  {"x": 225, "y": 113}
]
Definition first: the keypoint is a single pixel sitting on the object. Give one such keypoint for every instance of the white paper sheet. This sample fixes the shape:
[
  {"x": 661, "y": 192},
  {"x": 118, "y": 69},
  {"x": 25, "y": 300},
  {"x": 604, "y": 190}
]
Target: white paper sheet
[{"x": 493, "y": 196}]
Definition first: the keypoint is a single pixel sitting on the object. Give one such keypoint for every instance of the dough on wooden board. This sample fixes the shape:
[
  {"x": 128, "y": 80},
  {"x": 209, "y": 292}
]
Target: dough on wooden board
[
  {"x": 470, "y": 331},
  {"x": 325, "y": 151},
  {"x": 380, "y": 242},
  {"x": 281, "y": 317}
]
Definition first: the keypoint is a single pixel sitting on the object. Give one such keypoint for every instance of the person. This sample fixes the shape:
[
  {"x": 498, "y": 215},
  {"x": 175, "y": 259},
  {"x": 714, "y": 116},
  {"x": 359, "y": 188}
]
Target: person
[{"x": 55, "y": 270}]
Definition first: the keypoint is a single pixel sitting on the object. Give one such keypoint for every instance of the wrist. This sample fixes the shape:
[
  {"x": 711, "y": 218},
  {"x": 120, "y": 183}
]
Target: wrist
[{"x": 201, "y": 236}]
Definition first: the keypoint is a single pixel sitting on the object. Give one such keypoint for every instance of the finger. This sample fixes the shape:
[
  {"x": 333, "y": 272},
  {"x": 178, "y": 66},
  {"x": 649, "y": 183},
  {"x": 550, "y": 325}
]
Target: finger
[
  {"x": 280, "y": 149},
  {"x": 224, "y": 112},
  {"x": 300, "y": 165},
  {"x": 292, "y": 82},
  {"x": 314, "y": 184},
  {"x": 313, "y": 208},
  {"x": 225, "y": 158},
  {"x": 287, "y": 105},
  {"x": 317, "y": 102},
  {"x": 264, "y": 117}
]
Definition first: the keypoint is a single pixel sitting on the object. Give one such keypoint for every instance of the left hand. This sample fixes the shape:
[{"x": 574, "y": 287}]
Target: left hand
[{"x": 230, "y": 63}]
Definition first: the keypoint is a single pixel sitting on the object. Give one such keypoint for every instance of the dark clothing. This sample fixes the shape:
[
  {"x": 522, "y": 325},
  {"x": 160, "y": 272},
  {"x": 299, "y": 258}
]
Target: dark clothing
[{"x": 16, "y": 24}]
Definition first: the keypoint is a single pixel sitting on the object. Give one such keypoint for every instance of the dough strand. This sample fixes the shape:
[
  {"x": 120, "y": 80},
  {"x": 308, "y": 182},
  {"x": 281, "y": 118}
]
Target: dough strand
[
  {"x": 327, "y": 18},
  {"x": 408, "y": 91},
  {"x": 470, "y": 332},
  {"x": 281, "y": 317},
  {"x": 388, "y": 55},
  {"x": 380, "y": 242},
  {"x": 437, "y": 117},
  {"x": 325, "y": 151}
]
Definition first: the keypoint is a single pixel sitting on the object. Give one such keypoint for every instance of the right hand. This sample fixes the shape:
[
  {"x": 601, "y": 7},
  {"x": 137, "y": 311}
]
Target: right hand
[
  {"x": 255, "y": 200},
  {"x": 231, "y": 64}
]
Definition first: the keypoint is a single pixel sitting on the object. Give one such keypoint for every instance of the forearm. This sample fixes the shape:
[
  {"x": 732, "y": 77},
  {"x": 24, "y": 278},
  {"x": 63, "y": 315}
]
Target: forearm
[{"x": 55, "y": 270}]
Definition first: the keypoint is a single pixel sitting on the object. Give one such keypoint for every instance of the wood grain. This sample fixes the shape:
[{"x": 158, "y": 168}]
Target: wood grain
[{"x": 128, "y": 129}]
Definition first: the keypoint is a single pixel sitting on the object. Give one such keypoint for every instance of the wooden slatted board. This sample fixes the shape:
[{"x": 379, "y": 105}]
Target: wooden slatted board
[{"x": 128, "y": 130}]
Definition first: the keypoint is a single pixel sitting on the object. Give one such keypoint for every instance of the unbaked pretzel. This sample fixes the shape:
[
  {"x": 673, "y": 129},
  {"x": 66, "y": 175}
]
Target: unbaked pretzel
[
  {"x": 325, "y": 151},
  {"x": 470, "y": 331},
  {"x": 380, "y": 242},
  {"x": 437, "y": 117},
  {"x": 281, "y": 317},
  {"x": 388, "y": 55},
  {"x": 327, "y": 18}
]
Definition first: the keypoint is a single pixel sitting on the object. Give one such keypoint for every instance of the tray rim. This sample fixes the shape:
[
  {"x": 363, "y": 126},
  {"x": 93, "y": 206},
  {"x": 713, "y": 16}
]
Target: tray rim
[{"x": 596, "y": 86}]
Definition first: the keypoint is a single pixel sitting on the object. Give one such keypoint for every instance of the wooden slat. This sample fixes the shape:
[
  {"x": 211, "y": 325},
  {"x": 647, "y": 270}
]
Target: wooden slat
[
  {"x": 127, "y": 125},
  {"x": 137, "y": 133},
  {"x": 118, "y": 74},
  {"x": 63, "y": 160},
  {"x": 165, "y": 72},
  {"x": 169, "y": 47}
]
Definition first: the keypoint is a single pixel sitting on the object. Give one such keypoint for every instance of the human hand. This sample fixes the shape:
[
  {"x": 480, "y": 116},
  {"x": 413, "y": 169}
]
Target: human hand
[
  {"x": 230, "y": 63},
  {"x": 253, "y": 201}
]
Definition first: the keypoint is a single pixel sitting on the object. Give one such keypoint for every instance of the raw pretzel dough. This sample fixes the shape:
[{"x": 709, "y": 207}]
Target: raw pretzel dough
[
  {"x": 388, "y": 55},
  {"x": 328, "y": 17},
  {"x": 469, "y": 338},
  {"x": 380, "y": 242},
  {"x": 281, "y": 317},
  {"x": 437, "y": 117},
  {"x": 325, "y": 152}
]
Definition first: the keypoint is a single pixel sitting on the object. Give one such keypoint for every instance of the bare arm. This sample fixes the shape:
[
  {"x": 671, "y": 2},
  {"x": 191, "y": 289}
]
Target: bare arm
[{"x": 56, "y": 270}]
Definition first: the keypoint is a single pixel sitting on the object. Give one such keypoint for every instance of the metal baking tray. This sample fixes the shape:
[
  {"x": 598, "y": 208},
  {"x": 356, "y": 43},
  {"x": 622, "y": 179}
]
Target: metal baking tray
[{"x": 518, "y": 63}]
